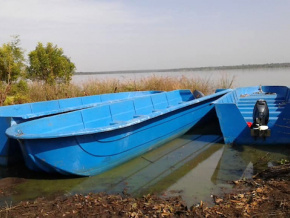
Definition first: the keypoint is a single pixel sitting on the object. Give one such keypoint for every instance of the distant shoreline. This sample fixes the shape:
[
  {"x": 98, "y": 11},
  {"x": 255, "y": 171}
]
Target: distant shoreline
[{"x": 236, "y": 67}]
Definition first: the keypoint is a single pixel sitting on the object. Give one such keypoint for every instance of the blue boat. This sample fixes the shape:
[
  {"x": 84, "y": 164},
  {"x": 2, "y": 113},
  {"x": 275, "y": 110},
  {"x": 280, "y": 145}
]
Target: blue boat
[
  {"x": 255, "y": 115},
  {"x": 14, "y": 114},
  {"x": 90, "y": 141}
]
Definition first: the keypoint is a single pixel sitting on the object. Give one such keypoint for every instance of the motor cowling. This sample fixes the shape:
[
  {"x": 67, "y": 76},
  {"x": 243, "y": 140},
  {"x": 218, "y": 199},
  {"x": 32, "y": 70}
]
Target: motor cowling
[
  {"x": 261, "y": 119},
  {"x": 261, "y": 113}
]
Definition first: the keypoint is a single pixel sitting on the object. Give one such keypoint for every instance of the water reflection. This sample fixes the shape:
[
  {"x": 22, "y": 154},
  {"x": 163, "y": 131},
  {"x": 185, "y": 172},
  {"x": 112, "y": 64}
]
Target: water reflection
[
  {"x": 193, "y": 180},
  {"x": 195, "y": 166},
  {"x": 145, "y": 174},
  {"x": 239, "y": 162}
]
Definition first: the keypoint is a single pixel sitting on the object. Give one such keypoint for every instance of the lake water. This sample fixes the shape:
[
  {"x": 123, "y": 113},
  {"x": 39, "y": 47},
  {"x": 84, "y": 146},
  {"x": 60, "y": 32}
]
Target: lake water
[
  {"x": 249, "y": 77},
  {"x": 195, "y": 166}
]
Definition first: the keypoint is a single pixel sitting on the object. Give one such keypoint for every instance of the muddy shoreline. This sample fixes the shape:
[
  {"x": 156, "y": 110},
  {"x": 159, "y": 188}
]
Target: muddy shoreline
[{"x": 267, "y": 194}]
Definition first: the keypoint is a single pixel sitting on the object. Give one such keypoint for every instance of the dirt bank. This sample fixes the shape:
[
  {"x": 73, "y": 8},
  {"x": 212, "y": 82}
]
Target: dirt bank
[{"x": 266, "y": 195}]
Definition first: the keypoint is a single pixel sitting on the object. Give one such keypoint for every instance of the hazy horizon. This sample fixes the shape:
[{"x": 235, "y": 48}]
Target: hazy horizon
[
  {"x": 113, "y": 35},
  {"x": 247, "y": 66}
]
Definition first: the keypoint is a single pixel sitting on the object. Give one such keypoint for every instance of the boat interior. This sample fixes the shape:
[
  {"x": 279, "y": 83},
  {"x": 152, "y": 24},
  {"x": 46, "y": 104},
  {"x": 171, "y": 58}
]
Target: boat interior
[{"x": 106, "y": 116}]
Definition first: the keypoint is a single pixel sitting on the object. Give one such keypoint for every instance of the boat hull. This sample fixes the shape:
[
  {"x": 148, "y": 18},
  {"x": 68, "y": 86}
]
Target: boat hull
[
  {"x": 88, "y": 155},
  {"x": 10, "y": 151},
  {"x": 235, "y": 112}
]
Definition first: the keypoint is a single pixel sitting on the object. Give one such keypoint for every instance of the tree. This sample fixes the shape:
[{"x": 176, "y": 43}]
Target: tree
[
  {"x": 11, "y": 66},
  {"x": 50, "y": 65}
]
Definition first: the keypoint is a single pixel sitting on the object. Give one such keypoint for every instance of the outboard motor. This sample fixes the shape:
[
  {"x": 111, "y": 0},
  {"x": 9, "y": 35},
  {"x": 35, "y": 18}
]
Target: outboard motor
[
  {"x": 261, "y": 119},
  {"x": 261, "y": 113},
  {"x": 197, "y": 94}
]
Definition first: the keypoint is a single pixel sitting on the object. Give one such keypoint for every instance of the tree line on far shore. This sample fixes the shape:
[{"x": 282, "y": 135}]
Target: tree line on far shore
[{"x": 46, "y": 63}]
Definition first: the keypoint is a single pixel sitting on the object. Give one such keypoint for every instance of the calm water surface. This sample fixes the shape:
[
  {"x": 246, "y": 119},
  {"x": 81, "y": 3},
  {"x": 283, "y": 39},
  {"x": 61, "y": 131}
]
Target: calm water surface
[
  {"x": 195, "y": 166},
  {"x": 249, "y": 77}
]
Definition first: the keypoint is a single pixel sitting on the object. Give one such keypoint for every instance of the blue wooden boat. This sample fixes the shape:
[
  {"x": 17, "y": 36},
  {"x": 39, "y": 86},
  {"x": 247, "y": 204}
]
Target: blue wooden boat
[
  {"x": 255, "y": 115},
  {"x": 91, "y": 141},
  {"x": 14, "y": 114}
]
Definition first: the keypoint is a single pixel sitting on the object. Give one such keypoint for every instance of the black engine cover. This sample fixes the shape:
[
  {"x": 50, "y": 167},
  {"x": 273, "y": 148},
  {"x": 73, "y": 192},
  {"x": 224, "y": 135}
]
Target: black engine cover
[{"x": 261, "y": 113}]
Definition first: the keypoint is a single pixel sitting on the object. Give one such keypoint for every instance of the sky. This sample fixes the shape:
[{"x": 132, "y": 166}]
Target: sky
[{"x": 109, "y": 35}]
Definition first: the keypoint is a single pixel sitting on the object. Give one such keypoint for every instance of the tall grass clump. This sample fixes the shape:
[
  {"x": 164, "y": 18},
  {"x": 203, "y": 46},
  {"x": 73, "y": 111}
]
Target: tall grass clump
[
  {"x": 148, "y": 83},
  {"x": 173, "y": 83},
  {"x": 39, "y": 91},
  {"x": 96, "y": 87},
  {"x": 24, "y": 92}
]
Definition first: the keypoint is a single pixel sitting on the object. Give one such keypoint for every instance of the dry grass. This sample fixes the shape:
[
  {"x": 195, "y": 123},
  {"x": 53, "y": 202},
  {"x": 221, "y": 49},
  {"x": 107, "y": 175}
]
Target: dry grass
[
  {"x": 42, "y": 92},
  {"x": 37, "y": 91}
]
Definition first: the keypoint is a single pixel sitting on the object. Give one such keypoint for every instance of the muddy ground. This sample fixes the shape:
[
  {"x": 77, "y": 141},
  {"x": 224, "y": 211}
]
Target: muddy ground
[{"x": 265, "y": 195}]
